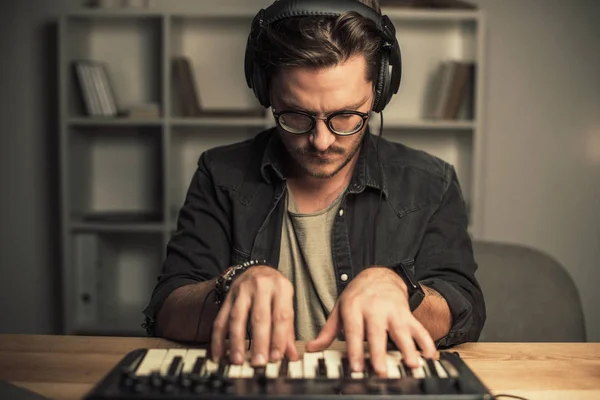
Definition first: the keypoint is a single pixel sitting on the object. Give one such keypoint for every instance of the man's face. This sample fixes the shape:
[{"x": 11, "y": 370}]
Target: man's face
[{"x": 320, "y": 153}]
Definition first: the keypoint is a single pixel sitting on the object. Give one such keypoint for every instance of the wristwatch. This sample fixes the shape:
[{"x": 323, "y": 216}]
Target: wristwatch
[
  {"x": 224, "y": 281},
  {"x": 415, "y": 292}
]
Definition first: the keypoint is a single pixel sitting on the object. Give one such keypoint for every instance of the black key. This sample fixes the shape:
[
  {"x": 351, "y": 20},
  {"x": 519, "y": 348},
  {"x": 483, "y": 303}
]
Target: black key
[
  {"x": 222, "y": 368},
  {"x": 346, "y": 367},
  {"x": 200, "y": 361},
  {"x": 174, "y": 367},
  {"x": 431, "y": 366},
  {"x": 283, "y": 368},
  {"x": 406, "y": 369},
  {"x": 260, "y": 371},
  {"x": 369, "y": 370},
  {"x": 322, "y": 368},
  {"x": 260, "y": 375}
]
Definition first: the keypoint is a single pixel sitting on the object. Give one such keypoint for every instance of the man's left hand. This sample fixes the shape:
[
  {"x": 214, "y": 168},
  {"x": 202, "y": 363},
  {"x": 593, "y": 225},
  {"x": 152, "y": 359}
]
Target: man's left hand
[{"x": 374, "y": 304}]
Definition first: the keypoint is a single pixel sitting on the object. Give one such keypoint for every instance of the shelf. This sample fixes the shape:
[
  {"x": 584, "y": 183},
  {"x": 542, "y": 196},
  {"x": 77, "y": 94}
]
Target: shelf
[
  {"x": 128, "y": 48},
  {"x": 115, "y": 170},
  {"x": 431, "y": 15},
  {"x": 111, "y": 121},
  {"x": 428, "y": 124},
  {"x": 219, "y": 121},
  {"x": 113, "y": 277},
  {"x": 80, "y": 227}
]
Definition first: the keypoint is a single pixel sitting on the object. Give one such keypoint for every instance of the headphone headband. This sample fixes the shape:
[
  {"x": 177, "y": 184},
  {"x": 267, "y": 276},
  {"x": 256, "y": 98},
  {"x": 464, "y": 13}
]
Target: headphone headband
[{"x": 389, "y": 76}]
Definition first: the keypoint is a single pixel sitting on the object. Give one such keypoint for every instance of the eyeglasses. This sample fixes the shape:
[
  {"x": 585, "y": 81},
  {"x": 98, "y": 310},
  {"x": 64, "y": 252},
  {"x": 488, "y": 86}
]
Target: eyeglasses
[{"x": 342, "y": 123}]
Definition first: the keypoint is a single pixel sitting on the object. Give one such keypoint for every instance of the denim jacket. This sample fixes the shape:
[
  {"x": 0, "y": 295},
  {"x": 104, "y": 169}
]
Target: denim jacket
[{"x": 402, "y": 205}]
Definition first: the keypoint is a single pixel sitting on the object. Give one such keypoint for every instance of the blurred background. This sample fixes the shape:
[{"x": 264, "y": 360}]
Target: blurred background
[{"x": 100, "y": 135}]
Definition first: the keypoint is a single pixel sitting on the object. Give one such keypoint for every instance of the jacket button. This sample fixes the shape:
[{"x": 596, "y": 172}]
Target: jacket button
[
  {"x": 344, "y": 277},
  {"x": 341, "y": 212}
]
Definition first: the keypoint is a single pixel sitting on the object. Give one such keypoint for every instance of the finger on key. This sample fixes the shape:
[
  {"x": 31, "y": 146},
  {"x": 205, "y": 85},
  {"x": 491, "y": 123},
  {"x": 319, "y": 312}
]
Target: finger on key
[
  {"x": 377, "y": 339},
  {"x": 238, "y": 318},
  {"x": 260, "y": 317},
  {"x": 282, "y": 321},
  {"x": 354, "y": 334},
  {"x": 407, "y": 347},
  {"x": 219, "y": 331},
  {"x": 424, "y": 340},
  {"x": 291, "y": 350}
]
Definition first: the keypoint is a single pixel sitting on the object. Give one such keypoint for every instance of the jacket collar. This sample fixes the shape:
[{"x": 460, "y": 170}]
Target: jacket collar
[{"x": 366, "y": 174}]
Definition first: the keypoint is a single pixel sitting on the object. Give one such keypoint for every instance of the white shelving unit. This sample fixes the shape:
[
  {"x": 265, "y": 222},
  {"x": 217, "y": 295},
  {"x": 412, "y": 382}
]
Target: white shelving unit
[{"x": 135, "y": 172}]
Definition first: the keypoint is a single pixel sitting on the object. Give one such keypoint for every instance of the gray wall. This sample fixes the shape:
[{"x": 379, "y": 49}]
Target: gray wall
[
  {"x": 542, "y": 147},
  {"x": 542, "y": 135}
]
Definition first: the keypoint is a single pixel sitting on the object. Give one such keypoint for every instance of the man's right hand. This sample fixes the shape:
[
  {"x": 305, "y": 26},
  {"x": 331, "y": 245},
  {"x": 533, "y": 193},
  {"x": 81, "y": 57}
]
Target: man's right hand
[{"x": 264, "y": 295}]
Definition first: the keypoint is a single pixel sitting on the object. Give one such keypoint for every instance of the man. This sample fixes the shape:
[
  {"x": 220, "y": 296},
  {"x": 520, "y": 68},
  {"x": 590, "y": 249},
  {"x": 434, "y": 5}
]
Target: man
[{"x": 314, "y": 230}]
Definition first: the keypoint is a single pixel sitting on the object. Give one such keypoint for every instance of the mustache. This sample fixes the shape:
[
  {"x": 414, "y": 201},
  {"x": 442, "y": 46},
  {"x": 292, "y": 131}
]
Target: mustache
[{"x": 311, "y": 150}]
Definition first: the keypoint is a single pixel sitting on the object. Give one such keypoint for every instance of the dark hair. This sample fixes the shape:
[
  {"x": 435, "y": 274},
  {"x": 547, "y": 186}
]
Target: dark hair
[{"x": 319, "y": 42}]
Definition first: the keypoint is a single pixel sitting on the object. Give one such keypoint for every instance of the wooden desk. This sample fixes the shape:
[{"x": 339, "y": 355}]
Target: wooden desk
[{"x": 67, "y": 367}]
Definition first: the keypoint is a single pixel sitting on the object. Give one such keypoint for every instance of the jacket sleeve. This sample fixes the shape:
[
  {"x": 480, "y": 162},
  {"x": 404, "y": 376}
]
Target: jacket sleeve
[
  {"x": 445, "y": 263},
  {"x": 200, "y": 248}
]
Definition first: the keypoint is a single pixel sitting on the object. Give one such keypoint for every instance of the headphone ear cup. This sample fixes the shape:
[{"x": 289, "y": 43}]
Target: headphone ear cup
[
  {"x": 261, "y": 86},
  {"x": 382, "y": 87}
]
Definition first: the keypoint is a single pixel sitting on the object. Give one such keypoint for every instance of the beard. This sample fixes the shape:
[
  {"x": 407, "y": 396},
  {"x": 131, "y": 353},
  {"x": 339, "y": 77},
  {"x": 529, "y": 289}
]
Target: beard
[{"x": 301, "y": 155}]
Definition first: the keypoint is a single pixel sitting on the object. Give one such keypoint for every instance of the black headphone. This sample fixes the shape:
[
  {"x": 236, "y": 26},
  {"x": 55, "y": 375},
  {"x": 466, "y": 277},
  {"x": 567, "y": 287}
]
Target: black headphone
[{"x": 390, "y": 73}]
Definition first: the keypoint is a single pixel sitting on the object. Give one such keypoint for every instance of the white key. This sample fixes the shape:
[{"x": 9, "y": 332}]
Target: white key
[
  {"x": 209, "y": 367},
  {"x": 295, "y": 369},
  {"x": 450, "y": 368},
  {"x": 247, "y": 370},
  {"x": 392, "y": 364},
  {"x": 333, "y": 362},
  {"x": 440, "y": 370},
  {"x": 357, "y": 375},
  {"x": 272, "y": 370},
  {"x": 311, "y": 362},
  {"x": 171, "y": 354},
  {"x": 151, "y": 362},
  {"x": 234, "y": 371},
  {"x": 190, "y": 359},
  {"x": 419, "y": 372}
]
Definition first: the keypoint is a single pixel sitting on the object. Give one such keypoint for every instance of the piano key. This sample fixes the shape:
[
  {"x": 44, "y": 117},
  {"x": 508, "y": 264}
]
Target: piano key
[
  {"x": 247, "y": 370},
  {"x": 450, "y": 370},
  {"x": 211, "y": 367},
  {"x": 175, "y": 366},
  {"x": 333, "y": 363},
  {"x": 171, "y": 354},
  {"x": 441, "y": 372},
  {"x": 222, "y": 367},
  {"x": 432, "y": 371},
  {"x": 260, "y": 372},
  {"x": 310, "y": 364},
  {"x": 368, "y": 368},
  {"x": 346, "y": 367},
  {"x": 234, "y": 371},
  {"x": 407, "y": 372},
  {"x": 191, "y": 358},
  {"x": 393, "y": 372},
  {"x": 151, "y": 362},
  {"x": 419, "y": 372},
  {"x": 272, "y": 370},
  {"x": 322, "y": 368},
  {"x": 283, "y": 370},
  {"x": 295, "y": 369}
]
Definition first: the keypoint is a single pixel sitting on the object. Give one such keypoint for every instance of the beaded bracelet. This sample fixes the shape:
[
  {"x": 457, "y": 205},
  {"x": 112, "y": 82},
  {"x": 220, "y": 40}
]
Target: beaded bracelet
[{"x": 225, "y": 280}]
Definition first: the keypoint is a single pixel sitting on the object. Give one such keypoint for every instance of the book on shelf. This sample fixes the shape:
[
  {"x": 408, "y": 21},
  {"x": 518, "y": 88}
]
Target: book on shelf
[
  {"x": 95, "y": 88},
  {"x": 190, "y": 100},
  {"x": 452, "y": 91},
  {"x": 143, "y": 110}
]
